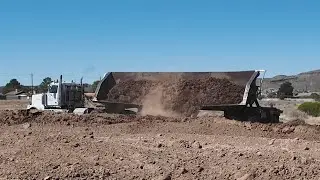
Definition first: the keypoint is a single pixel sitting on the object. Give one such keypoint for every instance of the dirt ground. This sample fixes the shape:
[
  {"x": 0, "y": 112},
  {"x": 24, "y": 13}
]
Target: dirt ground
[
  {"x": 101, "y": 146},
  {"x": 13, "y": 104}
]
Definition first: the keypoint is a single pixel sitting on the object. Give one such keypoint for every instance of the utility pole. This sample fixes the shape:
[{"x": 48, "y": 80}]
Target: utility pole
[{"x": 31, "y": 83}]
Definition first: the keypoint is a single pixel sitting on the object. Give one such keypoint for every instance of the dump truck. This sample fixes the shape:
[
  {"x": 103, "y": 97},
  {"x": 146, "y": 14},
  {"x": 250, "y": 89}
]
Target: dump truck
[
  {"x": 184, "y": 93},
  {"x": 233, "y": 93}
]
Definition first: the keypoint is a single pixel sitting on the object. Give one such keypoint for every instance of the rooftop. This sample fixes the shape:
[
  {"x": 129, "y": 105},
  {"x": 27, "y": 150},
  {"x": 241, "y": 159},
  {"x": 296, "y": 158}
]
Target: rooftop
[{"x": 16, "y": 92}]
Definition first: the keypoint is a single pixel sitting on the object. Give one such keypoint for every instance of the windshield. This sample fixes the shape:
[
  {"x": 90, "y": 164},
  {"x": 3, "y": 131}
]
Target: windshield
[{"x": 53, "y": 89}]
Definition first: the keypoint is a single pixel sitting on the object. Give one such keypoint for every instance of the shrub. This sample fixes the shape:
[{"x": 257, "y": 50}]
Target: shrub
[
  {"x": 315, "y": 96},
  {"x": 260, "y": 97},
  {"x": 272, "y": 95},
  {"x": 311, "y": 108},
  {"x": 281, "y": 96}
]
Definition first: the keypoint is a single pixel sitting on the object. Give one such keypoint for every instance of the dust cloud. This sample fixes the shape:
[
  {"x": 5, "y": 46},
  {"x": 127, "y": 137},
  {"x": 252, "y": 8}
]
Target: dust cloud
[{"x": 154, "y": 104}]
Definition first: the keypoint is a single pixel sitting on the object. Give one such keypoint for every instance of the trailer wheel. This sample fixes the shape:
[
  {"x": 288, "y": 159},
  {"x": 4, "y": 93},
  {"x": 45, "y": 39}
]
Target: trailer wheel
[
  {"x": 272, "y": 116},
  {"x": 254, "y": 118},
  {"x": 275, "y": 118}
]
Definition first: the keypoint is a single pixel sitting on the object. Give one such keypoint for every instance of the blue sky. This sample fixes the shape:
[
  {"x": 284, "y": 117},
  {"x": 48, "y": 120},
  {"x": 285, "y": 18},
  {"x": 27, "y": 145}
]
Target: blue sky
[{"x": 89, "y": 38}]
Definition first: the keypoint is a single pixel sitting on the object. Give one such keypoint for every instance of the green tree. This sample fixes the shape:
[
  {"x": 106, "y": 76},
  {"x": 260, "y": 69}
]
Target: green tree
[
  {"x": 43, "y": 87},
  {"x": 12, "y": 86},
  {"x": 95, "y": 85},
  {"x": 285, "y": 90}
]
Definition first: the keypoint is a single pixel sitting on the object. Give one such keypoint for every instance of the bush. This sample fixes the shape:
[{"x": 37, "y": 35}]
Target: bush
[
  {"x": 260, "y": 97},
  {"x": 281, "y": 96},
  {"x": 272, "y": 95},
  {"x": 315, "y": 96},
  {"x": 311, "y": 108}
]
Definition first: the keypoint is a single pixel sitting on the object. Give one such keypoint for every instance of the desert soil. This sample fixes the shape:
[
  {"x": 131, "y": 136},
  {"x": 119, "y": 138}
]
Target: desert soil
[{"x": 101, "y": 146}]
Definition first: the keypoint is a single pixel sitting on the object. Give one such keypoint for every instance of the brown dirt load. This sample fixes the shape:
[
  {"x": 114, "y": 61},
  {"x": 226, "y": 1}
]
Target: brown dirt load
[
  {"x": 45, "y": 145},
  {"x": 183, "y": 96}
]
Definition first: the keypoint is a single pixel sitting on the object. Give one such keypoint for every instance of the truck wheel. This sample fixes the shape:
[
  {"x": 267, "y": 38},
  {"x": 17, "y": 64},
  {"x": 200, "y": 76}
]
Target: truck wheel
[{"x": 33, "y": 110}]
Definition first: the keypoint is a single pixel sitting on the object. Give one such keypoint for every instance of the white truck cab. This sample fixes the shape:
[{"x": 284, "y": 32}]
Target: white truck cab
[
  {"x": 60, "y": 96},
  {"x": 44, "y": 100}
]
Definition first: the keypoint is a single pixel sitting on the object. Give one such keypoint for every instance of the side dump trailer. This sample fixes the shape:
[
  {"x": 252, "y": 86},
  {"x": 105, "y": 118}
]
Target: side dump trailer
[{"x": 234, "y": 93}]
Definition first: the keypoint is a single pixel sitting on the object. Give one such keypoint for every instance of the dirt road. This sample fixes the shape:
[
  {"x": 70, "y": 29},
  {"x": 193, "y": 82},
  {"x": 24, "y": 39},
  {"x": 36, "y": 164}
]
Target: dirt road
[{"x": 47, "y": 146}]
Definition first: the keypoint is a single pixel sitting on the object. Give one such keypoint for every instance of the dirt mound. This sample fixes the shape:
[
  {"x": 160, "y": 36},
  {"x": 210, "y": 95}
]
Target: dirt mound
[
  {"x": 148, "y": 123},
  {"x": 11, "y": 117},
  {"x": 183, "y": 96},
  {"x": 16, "y": 116}
]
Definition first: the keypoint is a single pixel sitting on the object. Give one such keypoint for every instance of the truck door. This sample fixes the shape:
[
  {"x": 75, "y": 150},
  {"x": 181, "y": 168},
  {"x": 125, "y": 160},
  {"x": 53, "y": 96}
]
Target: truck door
[{"x": 52, "y": 99}]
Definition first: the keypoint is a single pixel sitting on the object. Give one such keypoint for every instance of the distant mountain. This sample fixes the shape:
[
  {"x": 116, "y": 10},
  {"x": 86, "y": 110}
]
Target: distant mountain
[{"x": 306, "y": 81}]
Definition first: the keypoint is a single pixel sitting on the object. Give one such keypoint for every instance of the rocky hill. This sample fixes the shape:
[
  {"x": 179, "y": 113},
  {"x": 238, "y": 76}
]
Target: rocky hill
[{"x": 307, "y": 81}]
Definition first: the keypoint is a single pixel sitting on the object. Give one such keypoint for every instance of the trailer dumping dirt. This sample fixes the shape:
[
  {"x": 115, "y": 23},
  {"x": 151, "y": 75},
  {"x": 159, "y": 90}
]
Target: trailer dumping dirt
[{"x": 182, "y": 96}]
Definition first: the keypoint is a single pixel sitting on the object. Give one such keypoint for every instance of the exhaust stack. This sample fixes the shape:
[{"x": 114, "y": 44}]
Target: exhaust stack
[{"x": 60, "y": 92}]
